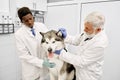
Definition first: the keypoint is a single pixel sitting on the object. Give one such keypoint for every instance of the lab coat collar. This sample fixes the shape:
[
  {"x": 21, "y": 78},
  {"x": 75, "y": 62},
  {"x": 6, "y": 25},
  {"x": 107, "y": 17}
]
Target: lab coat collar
[
  {"x": 99, "y": 34},
  {"x": 28, "y": 30},
  {"x": 86, "y": 44}
]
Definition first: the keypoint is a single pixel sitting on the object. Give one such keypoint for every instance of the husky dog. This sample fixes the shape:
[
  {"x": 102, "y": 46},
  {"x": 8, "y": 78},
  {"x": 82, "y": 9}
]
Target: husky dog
[{"x": 51, "y": 41}]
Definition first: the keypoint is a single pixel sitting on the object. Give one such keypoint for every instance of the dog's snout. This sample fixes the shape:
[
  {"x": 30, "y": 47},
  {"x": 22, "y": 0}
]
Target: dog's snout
[{"x": 49, "y": 49}]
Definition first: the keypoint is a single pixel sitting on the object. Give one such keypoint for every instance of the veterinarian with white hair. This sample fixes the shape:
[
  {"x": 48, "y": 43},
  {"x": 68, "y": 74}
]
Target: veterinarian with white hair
[
  {"x": 30, "y": 52},
  {"x": 90, "y": 46}
]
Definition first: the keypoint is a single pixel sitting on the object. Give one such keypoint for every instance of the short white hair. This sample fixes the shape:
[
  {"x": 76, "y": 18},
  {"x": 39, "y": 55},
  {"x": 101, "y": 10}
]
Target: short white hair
[{"x": 96, "y": 18}]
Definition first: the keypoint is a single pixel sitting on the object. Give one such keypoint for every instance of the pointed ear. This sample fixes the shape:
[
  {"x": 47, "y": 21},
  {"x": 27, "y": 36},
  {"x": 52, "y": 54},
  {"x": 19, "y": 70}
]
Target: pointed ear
[
  {"x": 59, "y": 33},
  {"x": 42, "y": 34}
]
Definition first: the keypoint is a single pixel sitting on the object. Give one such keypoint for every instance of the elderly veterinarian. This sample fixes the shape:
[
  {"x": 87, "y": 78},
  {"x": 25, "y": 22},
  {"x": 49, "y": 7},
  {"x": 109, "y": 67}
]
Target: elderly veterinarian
[
  {"x": 90, "y": 46},
  {"x": 28, "y": 47}
]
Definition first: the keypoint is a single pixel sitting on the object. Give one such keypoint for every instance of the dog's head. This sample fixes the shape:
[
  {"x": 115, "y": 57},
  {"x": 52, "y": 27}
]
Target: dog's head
[{"x": 51, "y": 41}]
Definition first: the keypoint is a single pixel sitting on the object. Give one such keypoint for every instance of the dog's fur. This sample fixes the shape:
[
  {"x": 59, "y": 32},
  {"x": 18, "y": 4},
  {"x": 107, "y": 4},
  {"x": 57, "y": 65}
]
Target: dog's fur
[{"x": 51, "y": 41}]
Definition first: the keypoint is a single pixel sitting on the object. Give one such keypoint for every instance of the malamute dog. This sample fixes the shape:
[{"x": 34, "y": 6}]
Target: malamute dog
[{"x": 51, "y": 41}]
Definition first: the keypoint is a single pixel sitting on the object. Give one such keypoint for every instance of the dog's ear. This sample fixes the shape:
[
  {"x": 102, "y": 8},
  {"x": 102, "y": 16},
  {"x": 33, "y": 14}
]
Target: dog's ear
[
  {"x": 59, "y": 33},
  {"x": 42, "y": 34},
  {"x": 43, "y": 39}
]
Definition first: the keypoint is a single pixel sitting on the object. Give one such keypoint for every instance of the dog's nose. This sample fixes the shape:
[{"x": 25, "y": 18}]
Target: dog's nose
[{"x": 49, "y": 49}]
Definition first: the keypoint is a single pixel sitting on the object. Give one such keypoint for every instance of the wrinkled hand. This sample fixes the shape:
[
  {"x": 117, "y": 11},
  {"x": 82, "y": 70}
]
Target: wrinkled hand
[
  {"x": 63, "y": 31},
  {"x": 58, "y": 51},
  {"x": 48, "y": 64}
]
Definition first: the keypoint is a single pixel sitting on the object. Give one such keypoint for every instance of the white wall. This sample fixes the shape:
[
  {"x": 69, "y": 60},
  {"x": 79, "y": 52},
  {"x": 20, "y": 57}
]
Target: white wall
[
  {"x": 63, "y": 15},
  {"x": 9, "y": 63},
  {"x": 112, "y": 25},
  {"x": 13, "y": 9},
  {"x": 4, "y": 6},
  {"x": 4, "y": 9}
]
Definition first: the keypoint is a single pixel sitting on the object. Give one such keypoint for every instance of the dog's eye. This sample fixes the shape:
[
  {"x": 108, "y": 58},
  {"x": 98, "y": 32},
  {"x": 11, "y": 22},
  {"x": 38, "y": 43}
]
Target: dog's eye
[
  {"x": 46, "y": 42},
  {"x": 53, "y": 42},
  {"x": 58, "y": 39}
]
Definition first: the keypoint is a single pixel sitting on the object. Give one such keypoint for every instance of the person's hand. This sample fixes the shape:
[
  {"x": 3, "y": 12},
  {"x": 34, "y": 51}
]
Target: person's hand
[
  {"x": 58, "y": 51},
  {"x": 48, "y": 64},
  {"x": 63, "y": 31}
]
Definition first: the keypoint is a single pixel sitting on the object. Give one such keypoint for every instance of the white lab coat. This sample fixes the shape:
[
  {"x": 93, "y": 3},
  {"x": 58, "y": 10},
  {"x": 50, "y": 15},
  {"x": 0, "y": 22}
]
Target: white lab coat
[
  {"x": 88, "y": 56},
  {"x": 30, "y": 51}
]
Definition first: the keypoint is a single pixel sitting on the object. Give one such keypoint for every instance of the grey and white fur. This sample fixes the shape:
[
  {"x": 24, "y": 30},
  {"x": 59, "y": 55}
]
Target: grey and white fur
[{"x": 51, "y": 41}]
